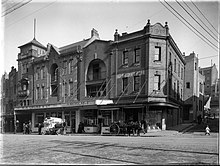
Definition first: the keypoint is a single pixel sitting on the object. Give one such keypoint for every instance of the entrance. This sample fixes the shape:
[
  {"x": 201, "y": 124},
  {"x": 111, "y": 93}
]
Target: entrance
[{"x": 131, "y": 114}]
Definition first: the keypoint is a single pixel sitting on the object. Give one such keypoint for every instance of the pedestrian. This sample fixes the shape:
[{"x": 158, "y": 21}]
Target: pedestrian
[
  {"x": 29, "y": 127},
  {"x": 207, "y": 130},
  {"x": 39, "y": 128},
  {"x": 139, "y": 128},
  {"x": 64, "y": 127},
  {"x": 24, "y": 128}
]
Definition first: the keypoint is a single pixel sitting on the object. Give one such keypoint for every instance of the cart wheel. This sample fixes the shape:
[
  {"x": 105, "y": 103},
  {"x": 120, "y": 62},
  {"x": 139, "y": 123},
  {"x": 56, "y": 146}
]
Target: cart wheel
[{"x": 114, "y": 129}]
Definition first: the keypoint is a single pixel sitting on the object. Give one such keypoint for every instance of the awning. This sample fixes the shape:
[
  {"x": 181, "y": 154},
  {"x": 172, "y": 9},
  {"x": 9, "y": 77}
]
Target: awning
[{"x": 163, "y": 104}]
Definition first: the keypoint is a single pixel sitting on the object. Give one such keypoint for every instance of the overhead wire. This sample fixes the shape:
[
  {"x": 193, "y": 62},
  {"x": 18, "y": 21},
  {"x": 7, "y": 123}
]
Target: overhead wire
[
  {"x": 189, "y": 23},
  {"x": 198, "y": 17},
  {"x": 12, "y": 6},
  {"x": 16, "y": 8},
  {"x": 195, "y": 20},
  {"x": 32, "y": 13},
  {"x": 211, "y": 45},
  {"x": 203, "y": 15}
]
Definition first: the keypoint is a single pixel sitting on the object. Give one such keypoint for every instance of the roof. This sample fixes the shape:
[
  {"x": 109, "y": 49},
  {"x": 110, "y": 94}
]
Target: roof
[
  {"x": 34, "y": 42},
  {"x": 80, "y": 43}
]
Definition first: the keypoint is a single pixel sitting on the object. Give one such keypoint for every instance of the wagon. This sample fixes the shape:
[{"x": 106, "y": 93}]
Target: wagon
[{"x": 52, "y": 126}]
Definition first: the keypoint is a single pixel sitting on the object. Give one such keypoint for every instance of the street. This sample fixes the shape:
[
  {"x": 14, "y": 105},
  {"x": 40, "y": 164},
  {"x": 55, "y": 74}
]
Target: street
[{"x": 80, "y": 149}]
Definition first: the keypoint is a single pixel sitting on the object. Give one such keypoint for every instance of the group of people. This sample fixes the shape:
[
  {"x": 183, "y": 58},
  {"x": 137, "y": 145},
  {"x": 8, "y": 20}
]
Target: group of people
[
  {"x": 27, "y": 128},
  {"x": 132, "y": 127}
]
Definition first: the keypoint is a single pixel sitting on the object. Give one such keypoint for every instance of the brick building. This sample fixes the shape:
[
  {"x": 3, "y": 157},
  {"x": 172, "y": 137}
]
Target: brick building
[
  {"x": 136, "y": 76},
  {"x": 9, "y": 99}
]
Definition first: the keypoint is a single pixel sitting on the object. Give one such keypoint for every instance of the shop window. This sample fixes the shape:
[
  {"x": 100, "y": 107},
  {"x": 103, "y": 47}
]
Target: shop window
[
  {"x": 39, "y": 118},
  {"x": 90, "y": 118},
  {"x": 67, "y": 117}
]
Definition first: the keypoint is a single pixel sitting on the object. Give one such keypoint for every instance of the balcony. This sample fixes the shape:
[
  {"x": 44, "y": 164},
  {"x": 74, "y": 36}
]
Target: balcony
[
  {"x": 96, "y": 76},
  {"x": 23, "y": 93}
]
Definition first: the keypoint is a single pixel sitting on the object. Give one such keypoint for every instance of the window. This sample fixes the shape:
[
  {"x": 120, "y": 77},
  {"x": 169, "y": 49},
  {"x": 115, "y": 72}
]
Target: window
[
  {"x": 42, "y": 92},
  {"x": 181, "y": 94},
  {"x": 137, "y": 55},
  {"x": 179, "y": 70},
  {"x": 136, "y": 83},
  {"x": 37, "y": 93},
  {"x": 38, "y": 73},
  {"x": 195, "y": 66},
  {"x": 170, "y": 86},
  {"x": 181, "y": 73},
  {"x": 66, "y": 89},
  {"x": 71, "y": 66},
  {"x": 174, "y": 65},
  {"x": 125, "y": 58},
  {"x": 156, "y": 82},
  {"x": 188, "y": 85},
  {"x": 174, "y": 89},
  {"x": 157, "y": 54},
  {"x": 96, "y": 72},
  {"x": 65, "y": 67},
  {"x": 178, "y": 91},
  {"x": 200, "y": 87},
  {"x": 125, "y": 84},
  {"x": 71, "y": 88},
  {"x": 42, "y": 72},
  {"x": 170, "y": 57}
]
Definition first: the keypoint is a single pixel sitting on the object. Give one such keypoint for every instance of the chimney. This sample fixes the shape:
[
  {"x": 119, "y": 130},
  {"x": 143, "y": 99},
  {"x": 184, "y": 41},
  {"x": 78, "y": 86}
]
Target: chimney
[
  {"x": 116, "y": 35},
  {"x": 94, "y": 32},
  {"x": 183, "y": 53}
]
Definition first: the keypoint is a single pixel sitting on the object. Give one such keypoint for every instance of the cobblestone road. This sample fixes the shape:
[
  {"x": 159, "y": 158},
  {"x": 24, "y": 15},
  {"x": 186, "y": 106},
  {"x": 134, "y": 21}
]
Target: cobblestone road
[{"x": 151, "y": 149}]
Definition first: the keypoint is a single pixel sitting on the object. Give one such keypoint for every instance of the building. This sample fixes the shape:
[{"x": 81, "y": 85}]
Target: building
[
  {"x": 194, "y": 89},
  {"x": 4, "y": 99},
  {"x": 134, "y": 77},
  {"x": 211, "y": 78},
  {"x": 212, "y": 87}
]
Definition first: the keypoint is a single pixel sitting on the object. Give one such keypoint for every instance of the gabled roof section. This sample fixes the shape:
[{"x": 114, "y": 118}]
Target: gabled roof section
[
  {"x": 54, "y": 47},
  {"x": 34, "y": 42},
  {"x": 70, "y": 47}
]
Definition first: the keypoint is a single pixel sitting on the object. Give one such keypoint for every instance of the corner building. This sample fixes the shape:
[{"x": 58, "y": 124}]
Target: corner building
[{"x": 137, "y": 76}]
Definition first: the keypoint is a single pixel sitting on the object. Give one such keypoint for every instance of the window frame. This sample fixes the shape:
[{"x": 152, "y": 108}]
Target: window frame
[
  {"x": 158, "y": 59},
  {"x": 124, "y": 86},
  {"x": 157, "y": 84},
  {"x": 137, "y": 82},
  {"x": 125, "y": 57},
  {"x": 137, "y": 55}
]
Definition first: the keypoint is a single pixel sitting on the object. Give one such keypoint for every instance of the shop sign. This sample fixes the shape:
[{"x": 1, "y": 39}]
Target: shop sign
[
  {"x": 131, "y": 74},
  {"x": 103, "y": 102}
]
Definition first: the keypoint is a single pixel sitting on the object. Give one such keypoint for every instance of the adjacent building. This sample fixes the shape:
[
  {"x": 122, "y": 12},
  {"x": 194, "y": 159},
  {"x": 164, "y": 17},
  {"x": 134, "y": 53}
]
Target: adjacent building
[
  {"x": 212, "y": 87},
  {"x": 8, "y": 99},
  {"x": 194, "y": 89}
]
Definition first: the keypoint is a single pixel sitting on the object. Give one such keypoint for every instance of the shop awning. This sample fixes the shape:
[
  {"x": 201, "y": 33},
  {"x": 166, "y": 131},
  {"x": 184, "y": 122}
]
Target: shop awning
[
  {"x": 110, "y": 109},
  {"x": 163, "y": 104}
]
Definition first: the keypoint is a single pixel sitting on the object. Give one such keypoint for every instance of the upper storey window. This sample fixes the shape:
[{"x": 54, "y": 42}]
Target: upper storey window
[
  {"x": 137, "y": 53},
  {"x": 125, "y": 58},
  {"x": 157, "y": 53}
]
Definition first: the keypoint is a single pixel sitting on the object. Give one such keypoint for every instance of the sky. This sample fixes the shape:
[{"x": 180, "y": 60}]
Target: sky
[{"x": 62, "y": 22}]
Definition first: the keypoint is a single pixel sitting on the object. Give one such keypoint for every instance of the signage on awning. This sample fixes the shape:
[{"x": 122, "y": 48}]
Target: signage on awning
[{"x": 103, "y": 102}]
